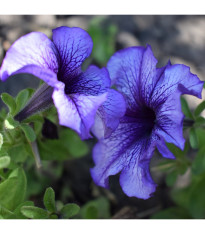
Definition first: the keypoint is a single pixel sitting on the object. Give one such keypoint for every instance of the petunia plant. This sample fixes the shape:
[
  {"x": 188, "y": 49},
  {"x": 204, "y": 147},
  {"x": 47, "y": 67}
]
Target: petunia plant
[{"x": 129, "y": 110}]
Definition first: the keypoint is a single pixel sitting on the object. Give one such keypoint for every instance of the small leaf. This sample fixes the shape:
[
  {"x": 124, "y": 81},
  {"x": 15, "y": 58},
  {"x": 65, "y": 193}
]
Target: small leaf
[
  {"x": 34, "y": 212},
  {"x": 34, "y": 118},
  {"x": 10, "y": 123},
  {"x": 49, "y": 200},
  {"x": 17, "y": 211},
  {"x": 21, "y": 100},
  {"x": 5, "y": 213},
  {"x": 4, "y": 161},
  {"x": 185, "y": 109},
  {"x": 91, "y": 212},
  {"x": 1, "y": 140},
  {"x": 193, "y": 139},
  {"x": 9, "y": 101},
  {"x": 70, "y": 210},
  {"x": 53, "y": 216},
  {"x": 99, "y": 208},
  {"x": 198, "y": 165},
  {"x": 199, "y": 109},
  {"x": 171, "y": 178},
  {"x": 172, "y": 213},
  {"x": 29, "y": 132},
  {"x": 13, "y": 189}
]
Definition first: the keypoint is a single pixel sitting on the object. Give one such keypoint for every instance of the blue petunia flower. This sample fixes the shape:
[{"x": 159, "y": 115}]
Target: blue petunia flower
[
  {"x": 76, "y": 94},
  {"x": 153, "y": 117}
]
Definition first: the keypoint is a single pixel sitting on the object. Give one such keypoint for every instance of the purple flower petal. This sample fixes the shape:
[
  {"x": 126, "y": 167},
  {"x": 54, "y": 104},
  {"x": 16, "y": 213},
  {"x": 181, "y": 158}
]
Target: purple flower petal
[
  {"x": 74, "y": 45},
  {"x": 32, "y": 49},
  {"x": 77, "y": 111},
  {"x": 109, "y": 114},
  {"x": 126, "y": 150},
  {"x": 176, "y": 77},
  {"x": 162, "y": 148},
  {"x": 135, "y": 178},
  {"x": 44, "y": 74},
  {"x": 93, "y": 81},
  {"x": 124, "y": 70},
  {"x": 169, "y": 124}
]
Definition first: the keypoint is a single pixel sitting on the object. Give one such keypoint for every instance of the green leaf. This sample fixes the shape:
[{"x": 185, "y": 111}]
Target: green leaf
[
  {"x": 193, "y": 139},
  {"x": 9, "y": 101},
  {"x": 5, "y": 213},
  {"x": 17, "y": 211},
  {"x": 18, "y": 153},
  {"x": 172, "y": 213},
  {"x": 1, "y": 140},
  {"x": 70, "y": 210},
  {"x": 49, "y": 200},
  {"x": 199, "y": 121},
  {"x": 34, "y": 212},
  {"x": 21, "y": 100},
  {"x": 103, "y": 36},
  {"x": 171, "y": 178},
  {"x": 53, "y": 216},
  {"x": 198, "y": 165},
  {"x": 4, "y": 161},
  {"x": 199, "y": 109},
  {"x": 12, "y": 190},
  {"x": 99, "y": 208},
  {"x": 10, "y": 123},
  {"x": 29, "y": 132},
  {"x": 69, "y": 145},
  {"x": 34, "y": 118},
  {"x": 91, "y": 212},
  {"x": 185, "y": 109},
  {"x": 74, "y": 144},
  {"x": 197, "y": 200}
]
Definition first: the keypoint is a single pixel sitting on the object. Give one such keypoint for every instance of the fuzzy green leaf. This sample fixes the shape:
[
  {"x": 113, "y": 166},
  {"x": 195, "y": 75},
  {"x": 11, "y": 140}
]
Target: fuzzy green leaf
[
  {"x": 17, "y": 211},
  {"x": 9, "y": 101},
  {"x": 5, "y": 213},
  {"x": 13, "y": 189},
  {"x": 34, "y": 212},
  {"x": 49, "y": 200},
  {"x": 198, "y": 165},
  {"x": 10, "y": 123},
  {"x": 70, "y": 210},
  {"x": 172, "y": 213},
  {"x": 4, "y": 161},
  {"x": 193, "y": 139},
  {"x": 21, "y": 100},
  {"x": 199, "y": 109},
  {"x": 1, "y": 140},
  {"x": 29, "y": 132}
]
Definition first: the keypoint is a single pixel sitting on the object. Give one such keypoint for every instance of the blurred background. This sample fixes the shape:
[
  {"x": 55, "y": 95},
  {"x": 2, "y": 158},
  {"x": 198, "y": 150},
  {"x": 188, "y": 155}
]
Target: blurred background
[{"x": 176, "y": 37}]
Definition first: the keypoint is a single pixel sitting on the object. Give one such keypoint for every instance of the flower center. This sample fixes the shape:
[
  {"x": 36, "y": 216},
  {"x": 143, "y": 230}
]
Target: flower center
[{"x": 149, "y": 119}]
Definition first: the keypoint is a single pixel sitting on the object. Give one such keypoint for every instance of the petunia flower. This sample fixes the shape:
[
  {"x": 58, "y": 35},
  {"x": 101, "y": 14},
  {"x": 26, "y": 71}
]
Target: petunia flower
[
  {"x": 76, "y": 94},
  {"x": 153, "y": 117}
]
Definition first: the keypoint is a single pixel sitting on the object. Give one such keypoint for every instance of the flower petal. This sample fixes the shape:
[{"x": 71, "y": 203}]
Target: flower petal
[
  {"x": 46, "y": 75},
  {"x": 125, "y": 151},
  {"x": 74, "y": 45},
  {"x": 162, "y": 148},
  {"x": 176, "y": 77},
  {"x": 32, "y": 49},
  {"x": 109, "y": 114},
  {"x": 77, "y": 111},
  {"x": 135, "y": 178},
  {"x": 133, "y": 71},
  {"x": 93, "y": 81},
  {"x": 169, "y": 123}
]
